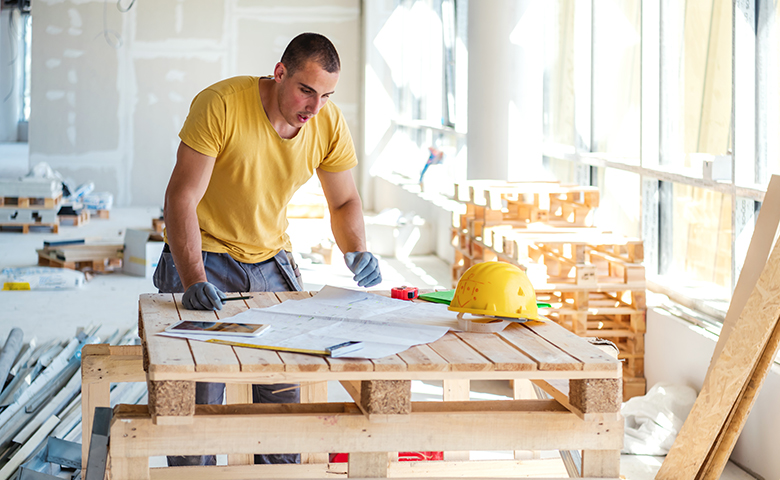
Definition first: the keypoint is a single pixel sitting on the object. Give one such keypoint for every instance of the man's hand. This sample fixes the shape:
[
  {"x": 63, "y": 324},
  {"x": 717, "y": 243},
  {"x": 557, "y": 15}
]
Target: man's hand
[
  {"x": 365, "y": 266},
  {"x": 203, "y": 296}
]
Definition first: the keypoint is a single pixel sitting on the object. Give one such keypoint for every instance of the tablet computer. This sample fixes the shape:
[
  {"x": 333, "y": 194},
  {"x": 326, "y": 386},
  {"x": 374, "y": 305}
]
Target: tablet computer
[{"x": 218, "y": 328}]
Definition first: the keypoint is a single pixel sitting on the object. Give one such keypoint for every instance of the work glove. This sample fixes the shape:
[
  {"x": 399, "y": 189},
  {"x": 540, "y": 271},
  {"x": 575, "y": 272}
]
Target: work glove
[
  {"x": 365, "y": 266},
  {"x": 203, "y": 296}
]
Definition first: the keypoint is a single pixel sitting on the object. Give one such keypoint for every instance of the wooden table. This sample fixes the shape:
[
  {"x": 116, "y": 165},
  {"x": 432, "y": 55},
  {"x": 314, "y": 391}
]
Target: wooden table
[{"x": 583, "y": 415}]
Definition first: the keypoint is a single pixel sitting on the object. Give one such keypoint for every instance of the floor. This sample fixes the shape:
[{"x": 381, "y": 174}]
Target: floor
[{"x": 110, "y": 300}]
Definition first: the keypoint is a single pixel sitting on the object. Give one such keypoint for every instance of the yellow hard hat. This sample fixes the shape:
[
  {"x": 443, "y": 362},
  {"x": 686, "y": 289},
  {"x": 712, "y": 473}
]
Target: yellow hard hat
[{"x": 496, "y": 289}]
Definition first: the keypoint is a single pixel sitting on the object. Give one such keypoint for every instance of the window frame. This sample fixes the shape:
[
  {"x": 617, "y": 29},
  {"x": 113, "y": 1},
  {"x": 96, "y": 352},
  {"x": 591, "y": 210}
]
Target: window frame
[{"x": 746, "y": 187}]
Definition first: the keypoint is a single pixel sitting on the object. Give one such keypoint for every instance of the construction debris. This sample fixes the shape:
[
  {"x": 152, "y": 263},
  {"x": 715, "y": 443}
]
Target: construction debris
[
  {"x": 86, "y": 257},
  {"x": 40, "y": 405}
]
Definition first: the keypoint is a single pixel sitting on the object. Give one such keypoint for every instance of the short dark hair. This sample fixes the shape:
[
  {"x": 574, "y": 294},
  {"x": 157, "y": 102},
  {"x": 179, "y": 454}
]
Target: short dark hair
[{"x": 311, "y": 46}]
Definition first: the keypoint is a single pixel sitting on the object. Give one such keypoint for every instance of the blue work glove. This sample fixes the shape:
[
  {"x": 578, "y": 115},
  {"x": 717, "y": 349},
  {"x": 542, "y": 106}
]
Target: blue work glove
[
  {"x": 365, "y": 266},
  {"x": 203, "y": 296}
]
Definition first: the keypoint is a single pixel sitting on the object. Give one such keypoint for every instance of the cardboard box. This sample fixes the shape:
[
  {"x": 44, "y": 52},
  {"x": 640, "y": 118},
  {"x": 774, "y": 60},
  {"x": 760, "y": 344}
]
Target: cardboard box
[{"x": 141, "y": 253}]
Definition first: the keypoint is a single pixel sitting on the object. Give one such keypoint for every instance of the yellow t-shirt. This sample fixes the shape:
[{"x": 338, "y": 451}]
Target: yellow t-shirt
[{"x": 244, "y": 210}]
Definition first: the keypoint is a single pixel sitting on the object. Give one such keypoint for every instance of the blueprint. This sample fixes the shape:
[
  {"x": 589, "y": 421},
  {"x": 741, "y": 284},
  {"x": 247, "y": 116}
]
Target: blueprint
[{"x": 386, "y": 326}]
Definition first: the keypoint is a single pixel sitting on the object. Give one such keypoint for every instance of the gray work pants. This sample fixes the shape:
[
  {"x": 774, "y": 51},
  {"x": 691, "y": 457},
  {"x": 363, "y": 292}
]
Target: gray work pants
[{"x": 278, "y": 274}]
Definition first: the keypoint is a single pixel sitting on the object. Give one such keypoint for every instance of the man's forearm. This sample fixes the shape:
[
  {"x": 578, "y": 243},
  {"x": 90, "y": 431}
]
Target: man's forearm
[
  {"x": 183, "y": 232},
  {"x": 348, "y": 227}
]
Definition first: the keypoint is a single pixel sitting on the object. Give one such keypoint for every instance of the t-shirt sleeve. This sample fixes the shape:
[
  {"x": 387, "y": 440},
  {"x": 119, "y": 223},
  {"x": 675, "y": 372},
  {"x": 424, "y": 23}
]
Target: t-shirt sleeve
[
  {"x": 341, "y": 155},
  {"x": 204, "y": 128}
]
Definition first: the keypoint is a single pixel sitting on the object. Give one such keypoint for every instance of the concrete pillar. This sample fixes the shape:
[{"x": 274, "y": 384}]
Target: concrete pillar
[
  {"x": 10, "y": 73},
  {"x": 505, "y": 93}
]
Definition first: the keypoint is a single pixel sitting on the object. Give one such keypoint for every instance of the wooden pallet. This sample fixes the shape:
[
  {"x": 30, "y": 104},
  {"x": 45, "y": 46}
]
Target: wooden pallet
[
  {"x": 158, "y": 224},
  {"x": 605, "y": 300},
  {"x": 102, "y": 214},
  {"x": 531, "y": 202},
  {"x": 75, "y": 220},
  {"x": 31, "y": 202},
  {"x": 25, "y": 227},
  {"x": 102, "y": 265}
]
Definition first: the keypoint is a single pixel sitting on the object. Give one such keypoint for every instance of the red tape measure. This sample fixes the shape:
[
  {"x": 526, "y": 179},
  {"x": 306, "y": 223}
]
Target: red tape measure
[{"x": 404, "y": 293}]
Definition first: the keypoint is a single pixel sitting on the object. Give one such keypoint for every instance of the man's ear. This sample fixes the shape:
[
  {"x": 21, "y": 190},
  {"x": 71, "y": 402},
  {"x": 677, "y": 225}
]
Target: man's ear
[{"x": 279, "y": 71}]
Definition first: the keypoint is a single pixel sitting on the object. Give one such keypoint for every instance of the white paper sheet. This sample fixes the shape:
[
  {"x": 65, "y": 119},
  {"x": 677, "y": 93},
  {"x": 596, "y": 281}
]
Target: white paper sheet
[{"x": 386, "y": 326}]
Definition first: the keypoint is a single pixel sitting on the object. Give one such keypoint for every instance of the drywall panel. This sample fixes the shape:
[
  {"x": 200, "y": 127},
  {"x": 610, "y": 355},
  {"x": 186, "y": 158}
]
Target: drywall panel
[
  {"x": 110, "y": 89},
  {"x": 261, "y": 40},
  {"x": 75, "y": 95},
  {"x": 169, "y": 20},
  {"x": 166, "y": 86}
]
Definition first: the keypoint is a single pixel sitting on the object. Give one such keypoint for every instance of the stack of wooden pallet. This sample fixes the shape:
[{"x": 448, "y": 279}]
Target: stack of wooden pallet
[
  {"x": 86, "y": 257},
  {"x": 594, "y": 280},
  {"x": 26, "y": 203}
]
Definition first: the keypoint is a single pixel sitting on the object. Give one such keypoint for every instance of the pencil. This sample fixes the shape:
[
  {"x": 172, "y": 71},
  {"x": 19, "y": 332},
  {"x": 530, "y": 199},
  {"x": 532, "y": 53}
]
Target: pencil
[{"x": 236, "y": 298}]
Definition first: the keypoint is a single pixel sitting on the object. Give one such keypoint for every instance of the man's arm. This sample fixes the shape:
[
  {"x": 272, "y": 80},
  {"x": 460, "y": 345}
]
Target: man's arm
[
  {"x": 346, "y": 210},
  {"x": 346, "y": 222},
  {"x": 188, "y": 184}
]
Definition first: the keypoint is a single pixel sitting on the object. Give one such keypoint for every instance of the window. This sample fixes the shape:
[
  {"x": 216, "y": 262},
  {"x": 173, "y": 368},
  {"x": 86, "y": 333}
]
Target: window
[
  {"x": 413, "y": 77},
  {"x": 642, "y": 100}
]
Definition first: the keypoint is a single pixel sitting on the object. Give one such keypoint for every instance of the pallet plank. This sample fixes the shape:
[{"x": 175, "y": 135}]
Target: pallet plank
[
  {"x": 460, "y": 355},
  {"x": 209, "y": 357},
  {"x": 504, "y": 355},
  {"x": 422, "y": 358},
  {"x": 591, "y": 357},
  {"x": 546, "y": 355},
  {"x": 157, "y": 311}
]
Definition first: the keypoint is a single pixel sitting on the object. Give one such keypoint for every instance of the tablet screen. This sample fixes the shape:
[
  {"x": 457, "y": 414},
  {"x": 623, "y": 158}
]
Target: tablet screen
[{"x": 218, "y": 328}]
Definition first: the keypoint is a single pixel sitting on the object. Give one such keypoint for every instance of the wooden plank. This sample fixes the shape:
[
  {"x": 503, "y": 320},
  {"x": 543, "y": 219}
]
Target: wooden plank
[
  {"x": 549, "y": 469},
  {"x": 123, "y": 468},
  {"x": 299, "y": 362},
  {"x": 254, "y": 359},
  {"x": 503, "y": 355},
  {"x": 459, "y": 355},
  {"x": 592, "y": 358},
  {"x": 730, "y": 372},
  {"x": 209, "y": 357},
  {"x": 239, "y": 393},
  {"x": 764, "y": 235},
  {"x": 283, "y": 296},
  {"x": 367, "y": 465},
  {"x": 539, "y": 469},
  {"x": 349, "y": 364},
  {"x": 392, "y": 363},
  {"x": 454, "y": 391},
  {"x": 601, "y": 463},
  {"x": 422, "y": 358},
  {"x": 314, "y": 392},
  {"x": 546, "y": 355},
  {"x": 158, "y": 311},
  {"x": 92, "y": 395},
  {"x": 490, "y": 425}
]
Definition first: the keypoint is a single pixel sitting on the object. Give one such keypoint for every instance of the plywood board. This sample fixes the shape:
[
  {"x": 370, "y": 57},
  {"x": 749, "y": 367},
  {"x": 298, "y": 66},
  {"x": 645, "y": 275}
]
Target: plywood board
[
  {"x": 730, "y": 372},
  {"x": 764, "y": 236}
]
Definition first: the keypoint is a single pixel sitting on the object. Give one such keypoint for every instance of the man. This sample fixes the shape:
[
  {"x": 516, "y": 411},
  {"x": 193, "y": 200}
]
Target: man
[{"x": 247, "y": 145}]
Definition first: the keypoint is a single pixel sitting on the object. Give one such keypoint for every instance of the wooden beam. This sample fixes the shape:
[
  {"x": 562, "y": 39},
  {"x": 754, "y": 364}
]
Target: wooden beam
[{"x": 494, "y": 425}]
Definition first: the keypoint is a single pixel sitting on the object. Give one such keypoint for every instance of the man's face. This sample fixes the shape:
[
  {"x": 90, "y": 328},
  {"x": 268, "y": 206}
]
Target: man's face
[{"x": 302, "y": 94}]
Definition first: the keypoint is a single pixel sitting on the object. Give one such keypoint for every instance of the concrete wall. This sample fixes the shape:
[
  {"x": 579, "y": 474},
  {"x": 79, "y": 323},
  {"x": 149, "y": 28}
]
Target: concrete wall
[{"x": 110, "y": 90}]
